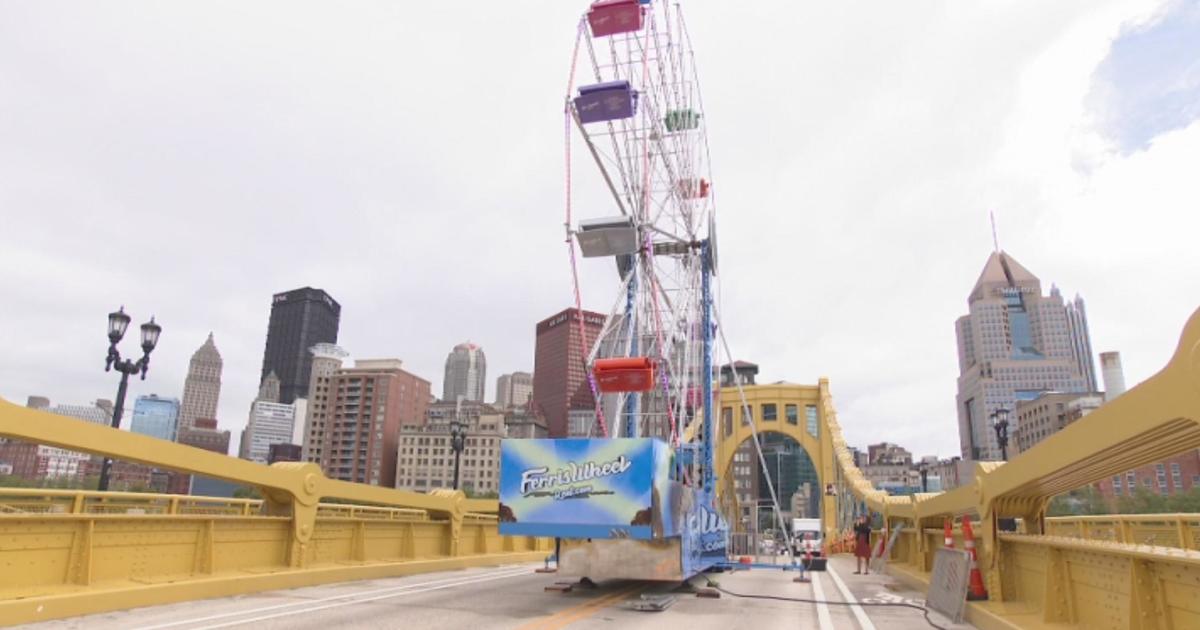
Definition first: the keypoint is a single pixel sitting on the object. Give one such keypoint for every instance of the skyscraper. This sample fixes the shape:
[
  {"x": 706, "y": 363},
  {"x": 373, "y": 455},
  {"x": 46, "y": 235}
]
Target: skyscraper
[
  {"x": 1014, "y": 344},
  {"x": 300, "y": 319},
  {"x": 269, "y": 423},
  {"x": 202, "y": 387},
  {"x": 157, "y": 417},
  {"x": 1114, "y": 375},
  {"x": 327, "y": 360},
  {"x": 514, "y": 390},
  {"x": 466, "y": 373},
  {"x": 1081, "y": 341},
  {"x": 560, "y": 382},
  {"x": 371, "y": 401}
]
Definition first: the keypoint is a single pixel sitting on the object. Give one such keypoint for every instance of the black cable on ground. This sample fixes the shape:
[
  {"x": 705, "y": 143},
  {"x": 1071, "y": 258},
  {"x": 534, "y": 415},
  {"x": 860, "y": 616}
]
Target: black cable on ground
[{"x": 818, "y": 601}]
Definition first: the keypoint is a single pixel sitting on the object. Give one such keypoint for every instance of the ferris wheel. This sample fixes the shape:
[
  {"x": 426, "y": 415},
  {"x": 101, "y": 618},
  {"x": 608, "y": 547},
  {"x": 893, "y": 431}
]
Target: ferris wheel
[
  {"x": 637, "y": 508},
  {"x": 634, "y": 101}
]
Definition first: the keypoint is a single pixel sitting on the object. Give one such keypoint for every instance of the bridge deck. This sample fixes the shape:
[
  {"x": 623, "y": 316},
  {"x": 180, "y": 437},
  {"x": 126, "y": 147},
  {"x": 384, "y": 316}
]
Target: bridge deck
[{"x": 512, "y": 597}]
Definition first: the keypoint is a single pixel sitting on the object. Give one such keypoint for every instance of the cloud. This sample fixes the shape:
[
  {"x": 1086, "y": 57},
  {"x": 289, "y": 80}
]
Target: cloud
[{"x": 1149, "y": 83}]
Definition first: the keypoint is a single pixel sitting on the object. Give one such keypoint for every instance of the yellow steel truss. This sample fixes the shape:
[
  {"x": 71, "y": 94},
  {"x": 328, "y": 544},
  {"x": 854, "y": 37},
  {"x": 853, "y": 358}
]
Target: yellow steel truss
[
  {"x": 65, "y": 553},
  {"x": 1135, "y": 571},
  {"x": 1087, "y": 572}
]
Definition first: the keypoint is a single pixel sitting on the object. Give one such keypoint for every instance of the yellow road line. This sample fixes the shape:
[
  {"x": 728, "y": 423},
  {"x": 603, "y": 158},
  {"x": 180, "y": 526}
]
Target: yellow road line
[{"x": 567, "y": 616}]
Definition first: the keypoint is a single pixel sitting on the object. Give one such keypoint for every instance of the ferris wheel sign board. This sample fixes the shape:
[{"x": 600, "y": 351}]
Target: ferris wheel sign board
[{"x": 586, "y": 488}]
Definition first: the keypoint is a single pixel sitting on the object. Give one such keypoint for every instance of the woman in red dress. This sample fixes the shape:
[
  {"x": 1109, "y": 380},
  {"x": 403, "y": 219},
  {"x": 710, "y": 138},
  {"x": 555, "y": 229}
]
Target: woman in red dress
[{"x": 862, "y": 545}]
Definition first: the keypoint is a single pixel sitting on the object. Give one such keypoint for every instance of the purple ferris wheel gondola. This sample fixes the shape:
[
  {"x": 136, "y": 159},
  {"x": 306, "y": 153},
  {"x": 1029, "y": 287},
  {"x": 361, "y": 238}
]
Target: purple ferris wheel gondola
[{"x": 601, "y": 102}]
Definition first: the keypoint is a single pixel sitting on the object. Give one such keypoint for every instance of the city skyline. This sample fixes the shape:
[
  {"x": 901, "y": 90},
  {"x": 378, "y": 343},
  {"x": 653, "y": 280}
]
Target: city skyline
[{"x": 1053, "y": 136}]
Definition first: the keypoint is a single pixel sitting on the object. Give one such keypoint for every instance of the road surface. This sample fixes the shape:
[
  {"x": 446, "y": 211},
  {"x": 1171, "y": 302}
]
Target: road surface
[{"x": 514, "y": 598}]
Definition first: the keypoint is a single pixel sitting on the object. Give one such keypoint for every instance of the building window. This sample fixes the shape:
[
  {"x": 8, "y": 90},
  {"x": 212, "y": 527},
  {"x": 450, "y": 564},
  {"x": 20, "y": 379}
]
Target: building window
[
  {"x": 810, "y": 415},
  {"x": 727, "y": 421},
  {"x": 791, "y": 414},
  {"x": 769, "y": 412},
  {"x": 747, "y": 415}
]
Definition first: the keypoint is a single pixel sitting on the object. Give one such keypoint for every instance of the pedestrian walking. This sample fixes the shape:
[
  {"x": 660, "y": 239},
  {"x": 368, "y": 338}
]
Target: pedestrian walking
[{"x": 862, "y": 545}]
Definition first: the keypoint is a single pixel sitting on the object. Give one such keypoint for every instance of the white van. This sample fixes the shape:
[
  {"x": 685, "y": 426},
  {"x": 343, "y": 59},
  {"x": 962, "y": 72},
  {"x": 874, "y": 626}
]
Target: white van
[{"x": 807, "y": 537}]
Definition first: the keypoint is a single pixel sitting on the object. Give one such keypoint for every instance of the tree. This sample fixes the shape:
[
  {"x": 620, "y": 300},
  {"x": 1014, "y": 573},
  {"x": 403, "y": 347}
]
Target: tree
[
  {"x": 471, "y": 494},
  {"x": 1084, "y": 501},
  {"x": 247, "y": 492},
  {"x": 1143, "y": 501}
]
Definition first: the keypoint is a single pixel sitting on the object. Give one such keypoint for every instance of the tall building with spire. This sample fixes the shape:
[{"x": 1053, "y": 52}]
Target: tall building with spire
[
  {"x": 202, "y": 387},
  {"x": 1013, "y": 345},
  {"x": 268, "y": 390},
  {"x": 466, "y": 373}
]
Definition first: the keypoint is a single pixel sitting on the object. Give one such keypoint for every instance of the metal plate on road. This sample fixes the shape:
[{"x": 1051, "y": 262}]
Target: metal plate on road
[
  {"x": 652, "y": 603},
  {"x": 948, "y": 584}
]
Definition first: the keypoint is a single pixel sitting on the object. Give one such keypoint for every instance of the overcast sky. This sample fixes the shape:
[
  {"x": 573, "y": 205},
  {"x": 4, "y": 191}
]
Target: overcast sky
[{"x": 188, "y": 160}]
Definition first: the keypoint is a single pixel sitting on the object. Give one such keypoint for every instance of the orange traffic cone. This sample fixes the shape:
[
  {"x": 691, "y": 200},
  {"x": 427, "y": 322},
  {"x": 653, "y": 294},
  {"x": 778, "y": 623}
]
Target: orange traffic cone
[
  {"x": 977, "y": 591},
  {"x": 949, "y": 542}
]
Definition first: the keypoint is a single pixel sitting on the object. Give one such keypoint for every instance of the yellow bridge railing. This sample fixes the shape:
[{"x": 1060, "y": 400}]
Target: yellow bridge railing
[
  {"x": 66, "y": 553},
  {"x": 1181, "y": 531},
  {"x": 1129, "y": 571}
]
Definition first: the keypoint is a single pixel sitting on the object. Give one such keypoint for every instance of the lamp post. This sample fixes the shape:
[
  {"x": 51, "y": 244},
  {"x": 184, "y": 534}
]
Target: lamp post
[
  {"x": 118, "y": 322},
  {"x": 1000, "y": 424},
  {"x": 458, "y": 439}
]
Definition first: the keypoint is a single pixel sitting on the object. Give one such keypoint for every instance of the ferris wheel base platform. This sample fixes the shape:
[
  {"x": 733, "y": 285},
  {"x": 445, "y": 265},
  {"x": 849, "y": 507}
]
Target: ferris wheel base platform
[{"x": 615, "y": 559}]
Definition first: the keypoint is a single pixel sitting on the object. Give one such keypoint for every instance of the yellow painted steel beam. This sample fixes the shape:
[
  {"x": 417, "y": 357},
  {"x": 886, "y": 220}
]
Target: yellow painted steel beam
[
  {"x": 72, "y": 552},
  {"x": 304, "y": 481}
]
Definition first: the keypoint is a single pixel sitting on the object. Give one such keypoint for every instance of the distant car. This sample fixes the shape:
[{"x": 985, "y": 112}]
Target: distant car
[
  {"x": 766, "y": 546},
  {"x": 806, "y": 536},
  {"x": 807, "y": 542}
]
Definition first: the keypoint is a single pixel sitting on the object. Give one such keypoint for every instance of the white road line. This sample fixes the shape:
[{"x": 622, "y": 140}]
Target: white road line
[
  {"x": 823, "y": 618},
  {"x": 455, "y": 581},
  {"x": 360, "y": 600},
  {"x": 864, "y": 621}
]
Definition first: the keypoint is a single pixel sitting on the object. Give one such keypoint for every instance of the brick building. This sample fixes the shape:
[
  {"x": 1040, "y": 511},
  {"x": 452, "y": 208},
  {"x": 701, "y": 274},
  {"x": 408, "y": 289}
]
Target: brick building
[
  {"x": 560, "y": 381},
  {"x": 368, "y": 404}
]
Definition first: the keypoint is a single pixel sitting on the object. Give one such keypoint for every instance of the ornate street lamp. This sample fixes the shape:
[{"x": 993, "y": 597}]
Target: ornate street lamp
[
  {"x": 118, "y": 323},
  {"x": 458, "y": 439},
  {"x": 1000, "y": 424}
]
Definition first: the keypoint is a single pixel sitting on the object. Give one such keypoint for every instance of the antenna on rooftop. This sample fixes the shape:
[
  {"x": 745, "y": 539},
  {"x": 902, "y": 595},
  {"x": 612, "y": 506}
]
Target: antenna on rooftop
[{"x": 995, "y": 240}]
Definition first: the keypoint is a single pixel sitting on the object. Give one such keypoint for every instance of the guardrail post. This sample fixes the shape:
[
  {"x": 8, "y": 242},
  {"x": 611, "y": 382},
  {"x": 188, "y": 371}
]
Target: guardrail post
[
  {"x": 1124, "y": 529},
  {"x": 1184, "y": 530},
  {"x": 80, "y": 567},
  {"x": 359, "y": 542},
  {"x": 1145, "y": 597},
  {"x": 203, "y": 562},
  {"x": 1058, "y": 595},
  {"x": 455, "y": 522}
]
